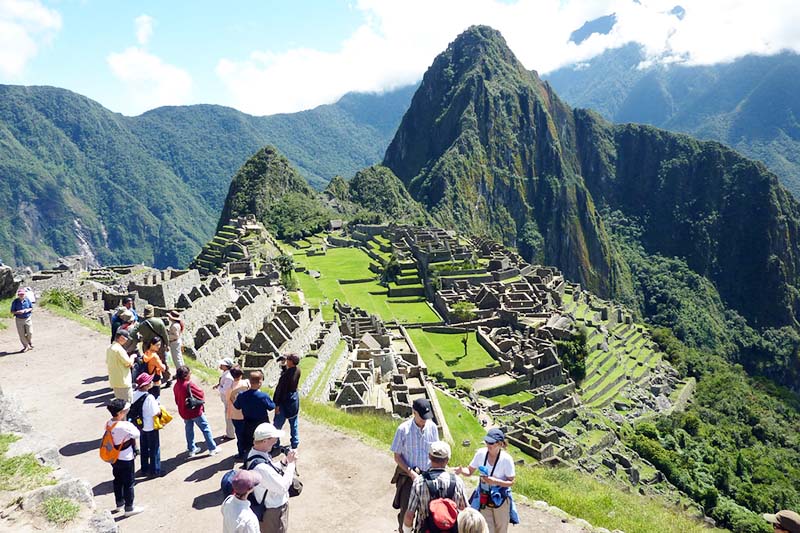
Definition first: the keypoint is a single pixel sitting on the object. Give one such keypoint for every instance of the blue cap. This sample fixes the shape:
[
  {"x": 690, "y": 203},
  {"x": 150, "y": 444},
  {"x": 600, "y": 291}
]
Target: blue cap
[{"x": 494, "y": 435}]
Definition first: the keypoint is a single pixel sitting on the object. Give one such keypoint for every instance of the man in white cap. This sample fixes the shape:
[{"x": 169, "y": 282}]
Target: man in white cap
[
  {"x": 784, "y": 521},
  {"x": 433, "y": 484},
  {"x": 275, "y": 479},
  {"x": 22, "y": 308},
  {"x": 223, "y": 387}
]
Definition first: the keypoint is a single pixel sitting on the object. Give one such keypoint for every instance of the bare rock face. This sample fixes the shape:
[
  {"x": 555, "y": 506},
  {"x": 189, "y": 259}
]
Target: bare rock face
[
  {"x": 75, "y": 489},
  {"x": 12, "y": 418},
  {"x": 8, "y": 285}
]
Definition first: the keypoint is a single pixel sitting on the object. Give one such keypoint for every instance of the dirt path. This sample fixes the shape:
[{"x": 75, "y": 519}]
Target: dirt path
[{"x": 63, "y": 386}]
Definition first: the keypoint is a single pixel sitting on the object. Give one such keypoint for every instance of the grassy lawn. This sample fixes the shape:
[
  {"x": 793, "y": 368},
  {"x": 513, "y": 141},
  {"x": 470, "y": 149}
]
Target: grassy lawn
[
  {"x": 463, "y": 425},
  {"x": 307, "y": 364},
  {"x": 444, "y": 352},
  {"x": 60, "y": 511},
  {"x": 507, "y": 399},
  {"x": 23, "y": 472},
  {"x": 338, "y": 352}
]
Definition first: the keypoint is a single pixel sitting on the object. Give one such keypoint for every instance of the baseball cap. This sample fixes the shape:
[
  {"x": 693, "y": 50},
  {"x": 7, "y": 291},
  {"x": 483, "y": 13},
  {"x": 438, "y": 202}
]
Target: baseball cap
[
  {"x": 121, "y": 332},
  {"x": 423, "y": 407},
  {"x": 439, "y": 450},
  {"x": 788, "y": 520},
  {"x": 226, "y": 362},
  {"x": 116, "y": 405},
  {"x": 494, "y": 435},
  {"x": 267, "y": 431},
  {"x": 245, "y": 480}
]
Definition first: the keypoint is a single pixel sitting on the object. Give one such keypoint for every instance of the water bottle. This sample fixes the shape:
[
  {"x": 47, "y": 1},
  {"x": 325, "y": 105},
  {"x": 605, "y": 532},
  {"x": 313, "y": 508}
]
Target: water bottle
[{"x": 483, "y": 488}]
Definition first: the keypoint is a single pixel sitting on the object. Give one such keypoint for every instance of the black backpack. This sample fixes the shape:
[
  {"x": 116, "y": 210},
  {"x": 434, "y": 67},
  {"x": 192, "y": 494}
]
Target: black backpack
[
  {"x": 442, "y": 510},
  {"x": 135, "y": 414}
]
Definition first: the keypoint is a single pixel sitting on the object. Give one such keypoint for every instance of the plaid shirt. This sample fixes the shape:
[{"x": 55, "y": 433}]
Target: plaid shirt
[
  {"x": 420, "y": 496},
  {"x": 413, "y": 443}
]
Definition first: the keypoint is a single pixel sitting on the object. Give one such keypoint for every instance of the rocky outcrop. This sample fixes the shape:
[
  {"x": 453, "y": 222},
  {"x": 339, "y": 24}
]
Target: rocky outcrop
[{"x": 8, "y": 285}]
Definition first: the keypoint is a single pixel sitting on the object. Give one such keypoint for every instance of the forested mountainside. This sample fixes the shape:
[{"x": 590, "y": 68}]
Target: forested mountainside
[
  {"x": 78, "y": 178},
  {"x": 751, "y": 104},
  {"x": 487, "y": 147}
]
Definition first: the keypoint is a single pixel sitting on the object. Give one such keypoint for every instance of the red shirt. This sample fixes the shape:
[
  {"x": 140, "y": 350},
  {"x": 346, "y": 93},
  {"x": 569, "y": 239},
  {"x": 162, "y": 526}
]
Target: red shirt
[{"x": 180, "y": 391}]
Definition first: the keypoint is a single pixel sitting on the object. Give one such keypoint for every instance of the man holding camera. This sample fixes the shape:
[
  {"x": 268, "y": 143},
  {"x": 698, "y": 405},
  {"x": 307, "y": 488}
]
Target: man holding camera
[{"x": 275, "y": 479}]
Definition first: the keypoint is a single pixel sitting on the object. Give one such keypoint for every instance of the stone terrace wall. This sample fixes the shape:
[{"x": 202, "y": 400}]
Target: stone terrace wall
[{"x": 162, "y": 289}]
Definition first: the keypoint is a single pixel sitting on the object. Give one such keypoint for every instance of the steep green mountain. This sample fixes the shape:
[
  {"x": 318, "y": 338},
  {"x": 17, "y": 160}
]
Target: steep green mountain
[
  {"x": 488, "y": 147},
  {"x": 78, "y": 178},
  {"x": 751, "y": 104}
]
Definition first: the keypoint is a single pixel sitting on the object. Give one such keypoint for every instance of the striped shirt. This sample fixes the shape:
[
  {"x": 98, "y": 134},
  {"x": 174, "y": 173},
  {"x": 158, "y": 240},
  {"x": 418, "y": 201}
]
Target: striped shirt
[
  {"x": 412, "y": 443},
  {"x": 420, "y": 497}
]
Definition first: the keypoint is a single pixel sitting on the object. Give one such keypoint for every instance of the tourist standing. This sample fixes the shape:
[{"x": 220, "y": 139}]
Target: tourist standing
[
  {"x": 22, "y": 308},
  {"x": 150, "y": 440},
  {"x": 116, "y": 318},
  {"x": 119, "y": 365},
  {"x": 175, "y": 331},
  {"x": 124, "y": 435},
  {"x": 497, "y": 477},
  {"x": 222, "y": 387},
  {"x": 275, "y": 479},
  {"x": 237, "y": 517},
  {"x": 433, "y": 484},
  {"x": 287, "y": 400},
  {"x": 155, "y": 366},
  {"x": 237, "y": 418},
  {"x": 153, "y": 327},
  {"x": 255, "y": 405},
  {"x": 411, "y": 443},
  {"x": 193, "y": 415}
]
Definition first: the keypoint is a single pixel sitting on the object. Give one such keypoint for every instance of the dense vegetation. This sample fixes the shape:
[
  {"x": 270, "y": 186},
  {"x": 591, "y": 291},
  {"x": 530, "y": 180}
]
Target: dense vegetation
[
  {"x": 736, "y": 448},
  {"x": 78, "y": 178}
]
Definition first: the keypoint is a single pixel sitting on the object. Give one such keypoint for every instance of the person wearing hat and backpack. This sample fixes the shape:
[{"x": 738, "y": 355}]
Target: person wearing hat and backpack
[
  {"x": 276, "y": 479},
  {"x": 237, "y": 517},
  {"x": 436, "y": 496},
  {"x": 784, "y": 521},
  {"x": 497, "y": 476},
  {"x": 124, "y": 435},
  {"x": 143, "y": 409},
  {"x": 410, "y": 447}
]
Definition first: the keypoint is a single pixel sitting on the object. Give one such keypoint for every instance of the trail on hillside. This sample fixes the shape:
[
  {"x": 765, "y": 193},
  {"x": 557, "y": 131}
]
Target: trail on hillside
[{"x": 63, "y": 387}]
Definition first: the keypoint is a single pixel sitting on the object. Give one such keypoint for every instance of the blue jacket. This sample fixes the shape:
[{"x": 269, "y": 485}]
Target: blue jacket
[
  {"x": 254, "y": 405},
  {"x": 17, "y": 305}
]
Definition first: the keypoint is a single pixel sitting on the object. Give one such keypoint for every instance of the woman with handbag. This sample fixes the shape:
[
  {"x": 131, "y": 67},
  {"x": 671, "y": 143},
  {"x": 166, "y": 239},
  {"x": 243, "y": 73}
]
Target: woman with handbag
[
  {"x": 151, "y": 443},
  {"x": 190, "y": 400},
  {"x": 497, "y": 476}
]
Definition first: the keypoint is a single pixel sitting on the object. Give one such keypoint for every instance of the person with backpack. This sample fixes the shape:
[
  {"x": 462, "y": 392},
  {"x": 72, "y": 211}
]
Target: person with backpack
[
  {"x": 143, "y": 409},
  {"x": 410, "y": 447},
  {"x": 117, "y": 447},
  {"x": 190, "y": 399},
  {"x": 273, "y": 491},
  {"x": 497, "y": 476},
  {"x": 154, "y": 365},
  {"x": 119, "y": 365},
  {"x": 151, "y": 327},
  {"x": 436, "y": 496},
  {"x": 237, "y": 517}
]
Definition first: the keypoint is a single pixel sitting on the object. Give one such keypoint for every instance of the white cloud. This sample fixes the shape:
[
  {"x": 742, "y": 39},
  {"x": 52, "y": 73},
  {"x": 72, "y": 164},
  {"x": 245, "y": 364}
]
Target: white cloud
[
  {"x": 24, "y": 26},
  {"x": 150, "y": 82},
  {"x": 398, "y": 41},
  {"x": 144, "y": 28}
]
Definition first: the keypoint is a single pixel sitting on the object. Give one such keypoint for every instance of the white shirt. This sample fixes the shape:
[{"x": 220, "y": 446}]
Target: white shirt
[
  {"x": 174, "y": 331},
  {"x": 225, "y": 384},
  {"x": 123, "y": 431},
  {"x": 277, "y": 486},
  {"x": 505, "y": 464},
  {"x": 237, "y": 516},
  {"x": 150, "y": 409}
]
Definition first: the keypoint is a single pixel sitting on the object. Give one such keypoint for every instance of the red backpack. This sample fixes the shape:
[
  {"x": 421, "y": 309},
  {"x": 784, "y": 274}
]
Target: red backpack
[{"x": 442, "y": 510}]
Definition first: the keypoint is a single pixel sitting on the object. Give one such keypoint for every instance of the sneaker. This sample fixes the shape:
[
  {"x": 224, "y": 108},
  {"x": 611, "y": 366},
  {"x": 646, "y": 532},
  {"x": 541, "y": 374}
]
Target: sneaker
[
  {"x": 213, "y": 452},
  {"x": 134, "y": 511},
  {"x": 30, "y": 347},
  {"x": 118, "y": 509},
  {"x": 193, "y": 453}
]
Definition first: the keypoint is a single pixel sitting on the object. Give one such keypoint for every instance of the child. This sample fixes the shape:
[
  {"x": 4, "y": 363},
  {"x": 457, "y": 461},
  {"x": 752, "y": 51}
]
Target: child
[
  {"x": 237, "y": 517},
  {"x": 151, "y": 444},
  {"x": 125, "y": 434}
]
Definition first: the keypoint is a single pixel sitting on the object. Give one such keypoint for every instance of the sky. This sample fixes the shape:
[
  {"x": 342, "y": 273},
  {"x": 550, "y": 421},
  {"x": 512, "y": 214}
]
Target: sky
[{"x": 266, "y": 57}]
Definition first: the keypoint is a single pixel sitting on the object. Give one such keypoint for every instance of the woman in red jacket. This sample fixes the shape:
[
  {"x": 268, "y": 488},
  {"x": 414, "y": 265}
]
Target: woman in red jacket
[{"x": 190, "y": 399}]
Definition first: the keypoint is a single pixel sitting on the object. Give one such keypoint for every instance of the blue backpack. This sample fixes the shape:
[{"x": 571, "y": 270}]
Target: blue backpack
[{"x": 226, "y": 485}]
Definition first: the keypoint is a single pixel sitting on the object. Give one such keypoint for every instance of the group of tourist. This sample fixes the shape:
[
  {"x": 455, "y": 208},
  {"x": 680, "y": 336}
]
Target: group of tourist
[{"x": 138, "y": 369}]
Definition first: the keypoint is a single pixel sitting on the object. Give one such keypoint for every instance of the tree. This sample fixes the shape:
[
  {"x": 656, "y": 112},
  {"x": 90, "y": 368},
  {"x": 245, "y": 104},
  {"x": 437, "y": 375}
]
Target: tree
[
  {"x": 285, "y": 265},
  {"x": 463, "y": 311}
]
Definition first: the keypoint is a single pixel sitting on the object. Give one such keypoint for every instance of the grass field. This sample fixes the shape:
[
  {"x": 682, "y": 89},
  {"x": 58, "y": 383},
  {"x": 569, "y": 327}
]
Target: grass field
[
  {"x": 352, "y": 264},
  {"x": 444, "y": 352}
]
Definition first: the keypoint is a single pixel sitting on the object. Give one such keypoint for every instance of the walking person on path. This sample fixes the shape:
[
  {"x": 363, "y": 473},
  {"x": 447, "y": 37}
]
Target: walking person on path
[
  {"x": 275, "y": 479},
  {"x": 287, "y": 400},
  {"x": 22, "y": 308},
  {"x": 237, "y": 517},
  {"x": 119, "y": 365},
  {"x": 146, "y": 406},
  {"x": 411, "y": 443},
  {"x": 153, "y": 327},
  {"x": 175, "y": 330},
  {"x": 192, "y": 416},
  {"x": 255, "y": 405},
  {"x": 237, "y": 418},
  {"x": 497, "y": 477},
  {"x": 124, "y": 434},
  {"x": 223, "y": 386},
  {"x": 445, "y": 484},
  {"x": 155, "y": 367}
]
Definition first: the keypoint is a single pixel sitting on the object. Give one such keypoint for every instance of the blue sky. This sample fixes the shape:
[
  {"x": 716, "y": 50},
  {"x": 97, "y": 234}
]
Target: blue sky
[{"x": 268, "y": 57}]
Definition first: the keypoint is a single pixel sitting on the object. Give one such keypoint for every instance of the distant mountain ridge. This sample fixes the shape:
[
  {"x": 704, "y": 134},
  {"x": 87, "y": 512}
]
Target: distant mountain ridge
[{"x": 77, "y": 177}]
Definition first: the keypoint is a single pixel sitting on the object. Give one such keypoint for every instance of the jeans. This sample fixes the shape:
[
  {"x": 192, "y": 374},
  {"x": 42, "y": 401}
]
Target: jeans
[
  {"x": 151, "y": 452},
  {"x": 123, "y": 483},
  {"x": 205, "y": 429},
  {"x": 238, "y": 426},
  {"x": 280, "y": 418}
]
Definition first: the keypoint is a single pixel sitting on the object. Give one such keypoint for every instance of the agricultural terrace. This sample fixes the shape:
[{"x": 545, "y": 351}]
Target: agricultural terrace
[
  {"x": 443, "y": 354},
  {"x": 338, "y": 269}
]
